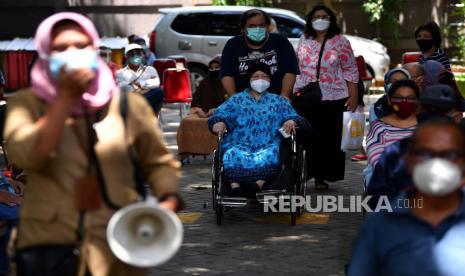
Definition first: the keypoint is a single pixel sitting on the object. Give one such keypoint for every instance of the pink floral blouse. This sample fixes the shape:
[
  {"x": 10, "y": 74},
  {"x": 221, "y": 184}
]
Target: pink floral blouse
[{"x": 337, "y": 66}]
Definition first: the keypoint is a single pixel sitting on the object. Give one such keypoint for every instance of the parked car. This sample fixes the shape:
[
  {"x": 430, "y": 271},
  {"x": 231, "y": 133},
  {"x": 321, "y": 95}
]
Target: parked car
[{"x": 200, "y": 33}]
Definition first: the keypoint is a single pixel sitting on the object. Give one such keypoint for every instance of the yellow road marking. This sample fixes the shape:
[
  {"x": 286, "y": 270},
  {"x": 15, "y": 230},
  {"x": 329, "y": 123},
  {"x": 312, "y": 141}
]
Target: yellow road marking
[
  {"x": 189, "y": 218},
  {"x": 305, "y": 218}
]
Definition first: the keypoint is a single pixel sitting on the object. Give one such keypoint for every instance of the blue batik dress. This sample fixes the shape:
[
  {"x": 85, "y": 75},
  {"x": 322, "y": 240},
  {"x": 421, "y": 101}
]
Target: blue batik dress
[{"x": 251, "y": 144}]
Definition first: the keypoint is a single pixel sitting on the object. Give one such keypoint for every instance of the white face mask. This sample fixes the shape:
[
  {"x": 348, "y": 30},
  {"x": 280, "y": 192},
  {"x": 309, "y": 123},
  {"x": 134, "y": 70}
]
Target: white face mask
[
  {"x": 260, "y": 85},
  {"x": 437, "y": 177},
  {"x": 320, "y": 24},
  {"x": 73, "y": 59}
]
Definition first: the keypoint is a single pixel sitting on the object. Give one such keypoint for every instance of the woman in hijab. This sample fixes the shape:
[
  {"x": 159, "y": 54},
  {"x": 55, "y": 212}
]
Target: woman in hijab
[
  {"x": 433, "y": 72},
  {"x": 252, "y": 119},
  {"x": 69, "y": 135}
]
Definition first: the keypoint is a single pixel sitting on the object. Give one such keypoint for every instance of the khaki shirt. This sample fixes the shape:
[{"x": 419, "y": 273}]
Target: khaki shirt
[{"x": 48, "y": 214}]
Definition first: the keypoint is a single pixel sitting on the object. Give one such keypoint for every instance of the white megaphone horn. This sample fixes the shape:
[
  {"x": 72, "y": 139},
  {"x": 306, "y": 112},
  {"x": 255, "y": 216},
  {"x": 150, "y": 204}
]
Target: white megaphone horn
[{"x": 143, "y": 234}]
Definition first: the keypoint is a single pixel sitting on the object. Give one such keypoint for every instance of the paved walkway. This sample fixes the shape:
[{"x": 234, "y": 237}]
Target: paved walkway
[{"x": 251, "y": 242}]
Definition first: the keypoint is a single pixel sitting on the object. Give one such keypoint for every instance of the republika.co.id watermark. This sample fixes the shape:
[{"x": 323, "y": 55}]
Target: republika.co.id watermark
[{"x": 332, "y": 204}]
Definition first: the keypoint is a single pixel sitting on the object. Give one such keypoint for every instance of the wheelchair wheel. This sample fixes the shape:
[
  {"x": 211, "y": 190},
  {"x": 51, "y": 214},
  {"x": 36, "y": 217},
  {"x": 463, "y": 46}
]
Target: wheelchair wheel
[
  {"x": 219, "y": 214},
  {"x": 302, "y": 181}
]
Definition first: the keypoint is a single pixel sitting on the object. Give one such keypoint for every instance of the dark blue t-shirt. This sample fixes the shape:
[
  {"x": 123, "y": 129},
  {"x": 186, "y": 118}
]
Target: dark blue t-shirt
[{"x": 277, "y": 53}]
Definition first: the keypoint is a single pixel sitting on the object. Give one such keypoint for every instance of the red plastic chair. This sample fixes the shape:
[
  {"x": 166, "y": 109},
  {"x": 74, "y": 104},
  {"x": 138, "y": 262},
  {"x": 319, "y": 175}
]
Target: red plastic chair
[
  {"x": 180, "y": 59},
  {"x": 177, "y": 87},
  {"x": 162, "y": 64},
  {"x": 362, "y": 69},
  {"x": 410, "y": 57}
]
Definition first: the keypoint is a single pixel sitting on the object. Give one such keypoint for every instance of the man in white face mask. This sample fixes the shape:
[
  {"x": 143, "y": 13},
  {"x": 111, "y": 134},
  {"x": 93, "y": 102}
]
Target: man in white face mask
[{"x": 425, "y": 233}]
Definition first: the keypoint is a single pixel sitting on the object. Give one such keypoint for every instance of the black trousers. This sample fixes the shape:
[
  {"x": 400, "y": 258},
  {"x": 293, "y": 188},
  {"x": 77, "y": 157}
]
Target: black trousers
[{"x": 326, "y": 160}]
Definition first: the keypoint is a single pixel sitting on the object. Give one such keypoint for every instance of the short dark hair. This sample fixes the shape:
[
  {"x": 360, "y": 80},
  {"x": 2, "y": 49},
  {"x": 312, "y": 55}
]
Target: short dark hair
[
  {"x": 333, "y": 27},
  {"x": 251, "y": 13},
  {"x": 403, "y": 83},
  {"x": 435, "y": 31},
  {"x": 437, "y": 122}
]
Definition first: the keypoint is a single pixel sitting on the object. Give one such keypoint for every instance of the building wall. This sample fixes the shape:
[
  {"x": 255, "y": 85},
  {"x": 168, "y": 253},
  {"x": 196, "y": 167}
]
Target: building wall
[
  {"x": 124, "y": 17},
  {"x": 111, "y": 17}
]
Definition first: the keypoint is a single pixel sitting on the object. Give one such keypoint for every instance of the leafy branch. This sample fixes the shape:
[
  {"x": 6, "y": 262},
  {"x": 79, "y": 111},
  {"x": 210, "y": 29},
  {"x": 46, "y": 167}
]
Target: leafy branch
[{"x": 384, "y": 12}]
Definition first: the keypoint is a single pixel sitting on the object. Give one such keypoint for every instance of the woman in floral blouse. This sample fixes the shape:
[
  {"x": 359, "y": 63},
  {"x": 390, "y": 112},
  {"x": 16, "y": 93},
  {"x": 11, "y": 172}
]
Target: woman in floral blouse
[{"x": 338, "y": 83}]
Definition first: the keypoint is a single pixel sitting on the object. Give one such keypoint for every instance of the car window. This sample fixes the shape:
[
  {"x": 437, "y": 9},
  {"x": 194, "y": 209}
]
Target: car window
[
  {"x": 224, "y": 24},
  {"x": 191, "y": 23},
  {"x": 288, "y": 27}
]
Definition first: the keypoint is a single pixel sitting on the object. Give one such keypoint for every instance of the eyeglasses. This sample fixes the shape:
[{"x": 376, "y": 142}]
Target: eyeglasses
[
  {"x": 399, "y": 99},
  {"x": 315, "y": 17},
  {"x": 449, "y": 155}
]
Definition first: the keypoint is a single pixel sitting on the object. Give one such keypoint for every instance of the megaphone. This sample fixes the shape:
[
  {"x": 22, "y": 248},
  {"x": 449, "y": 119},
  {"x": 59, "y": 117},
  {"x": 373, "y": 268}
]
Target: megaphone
[{"x": 143, "y": 234}]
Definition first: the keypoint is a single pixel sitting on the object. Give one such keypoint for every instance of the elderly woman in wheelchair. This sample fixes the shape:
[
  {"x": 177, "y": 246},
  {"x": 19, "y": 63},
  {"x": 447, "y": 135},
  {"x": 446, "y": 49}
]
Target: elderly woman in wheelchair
[{"x": 251, "y": 124}]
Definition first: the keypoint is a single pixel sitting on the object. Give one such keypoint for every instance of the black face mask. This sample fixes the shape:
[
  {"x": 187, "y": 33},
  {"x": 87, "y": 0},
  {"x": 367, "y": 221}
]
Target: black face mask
[
  {"x": 214, "y": 74},
  {"x": 425, "y": 44}
]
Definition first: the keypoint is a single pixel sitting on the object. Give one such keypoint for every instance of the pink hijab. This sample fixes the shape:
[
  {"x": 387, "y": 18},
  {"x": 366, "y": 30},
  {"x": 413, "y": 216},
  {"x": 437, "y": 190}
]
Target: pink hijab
[{"x": 42, "y": 81}]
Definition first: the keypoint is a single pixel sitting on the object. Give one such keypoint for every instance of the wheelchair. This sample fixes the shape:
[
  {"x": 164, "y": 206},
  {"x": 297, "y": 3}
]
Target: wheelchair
[{"x": 295, "y": 166}]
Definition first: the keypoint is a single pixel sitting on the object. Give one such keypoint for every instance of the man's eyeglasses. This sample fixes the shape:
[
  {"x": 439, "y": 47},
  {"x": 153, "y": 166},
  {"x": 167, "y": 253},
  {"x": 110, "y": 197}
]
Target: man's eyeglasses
[{"x": 450, "y": 155}]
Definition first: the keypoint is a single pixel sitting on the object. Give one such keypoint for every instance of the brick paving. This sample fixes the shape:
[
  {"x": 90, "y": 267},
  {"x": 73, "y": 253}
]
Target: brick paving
[{"x": 251, "y": 242}]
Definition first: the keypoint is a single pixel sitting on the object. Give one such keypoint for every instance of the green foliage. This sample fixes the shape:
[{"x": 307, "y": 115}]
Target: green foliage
[
  {"x": 257, "y": 3},
  {"x": 456, "y": 32},
  {"x": 384, "y": 12}
]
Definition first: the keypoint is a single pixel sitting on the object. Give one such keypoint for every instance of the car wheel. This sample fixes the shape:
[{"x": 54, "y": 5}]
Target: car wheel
[{"x": 197, "y": 75}]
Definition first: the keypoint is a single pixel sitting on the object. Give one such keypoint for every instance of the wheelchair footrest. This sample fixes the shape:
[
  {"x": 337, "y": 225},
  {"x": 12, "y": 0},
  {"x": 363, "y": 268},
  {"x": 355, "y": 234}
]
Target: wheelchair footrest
[
  {"x": 276, "y": 193},
  {"x": 233, "y": 201}
]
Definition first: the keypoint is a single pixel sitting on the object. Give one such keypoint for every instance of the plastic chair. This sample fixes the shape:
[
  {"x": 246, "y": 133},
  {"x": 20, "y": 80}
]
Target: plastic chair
[
  {"x": 362, "y": 69},
  {"x": 179, "y": 60},
  {"x": 177, "y": 87},
  {"x": 410, "y": 57},
  {"x": 162, "y": 64}
]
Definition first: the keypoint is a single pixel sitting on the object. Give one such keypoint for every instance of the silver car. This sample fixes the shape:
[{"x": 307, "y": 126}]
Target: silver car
[{"x": 200, "y": 33}]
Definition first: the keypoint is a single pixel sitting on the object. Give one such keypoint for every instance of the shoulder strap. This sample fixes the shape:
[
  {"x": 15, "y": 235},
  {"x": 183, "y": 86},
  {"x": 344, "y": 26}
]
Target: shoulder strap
[
  {"x": 319, "y": 59},
  {"x": 138, "y": 173},
  {"x": 94, "y": 160}
]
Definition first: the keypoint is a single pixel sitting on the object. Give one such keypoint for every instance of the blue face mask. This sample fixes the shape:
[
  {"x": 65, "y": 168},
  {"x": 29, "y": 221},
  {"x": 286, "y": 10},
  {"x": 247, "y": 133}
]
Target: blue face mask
[
  {"x": 72, "y": 60},
  {"x": 256, "y": 34},
  {"x": 136, "y": 60}
]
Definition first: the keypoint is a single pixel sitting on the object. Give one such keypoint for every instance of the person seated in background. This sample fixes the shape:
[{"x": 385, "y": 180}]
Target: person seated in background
[
  {"x": 398, "y": 124},
  {"x": 140, "y": 78},
  {"x": 424, "y": 233},
  {"x": 150, "y": 56},
  {"x": 252, "y": 119},
  {"x": 105, "y": 54},
  {"x": 210, "y": 93},
  {"x": 390, "y": 175},
  {"x": 193, "y": 136}
]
